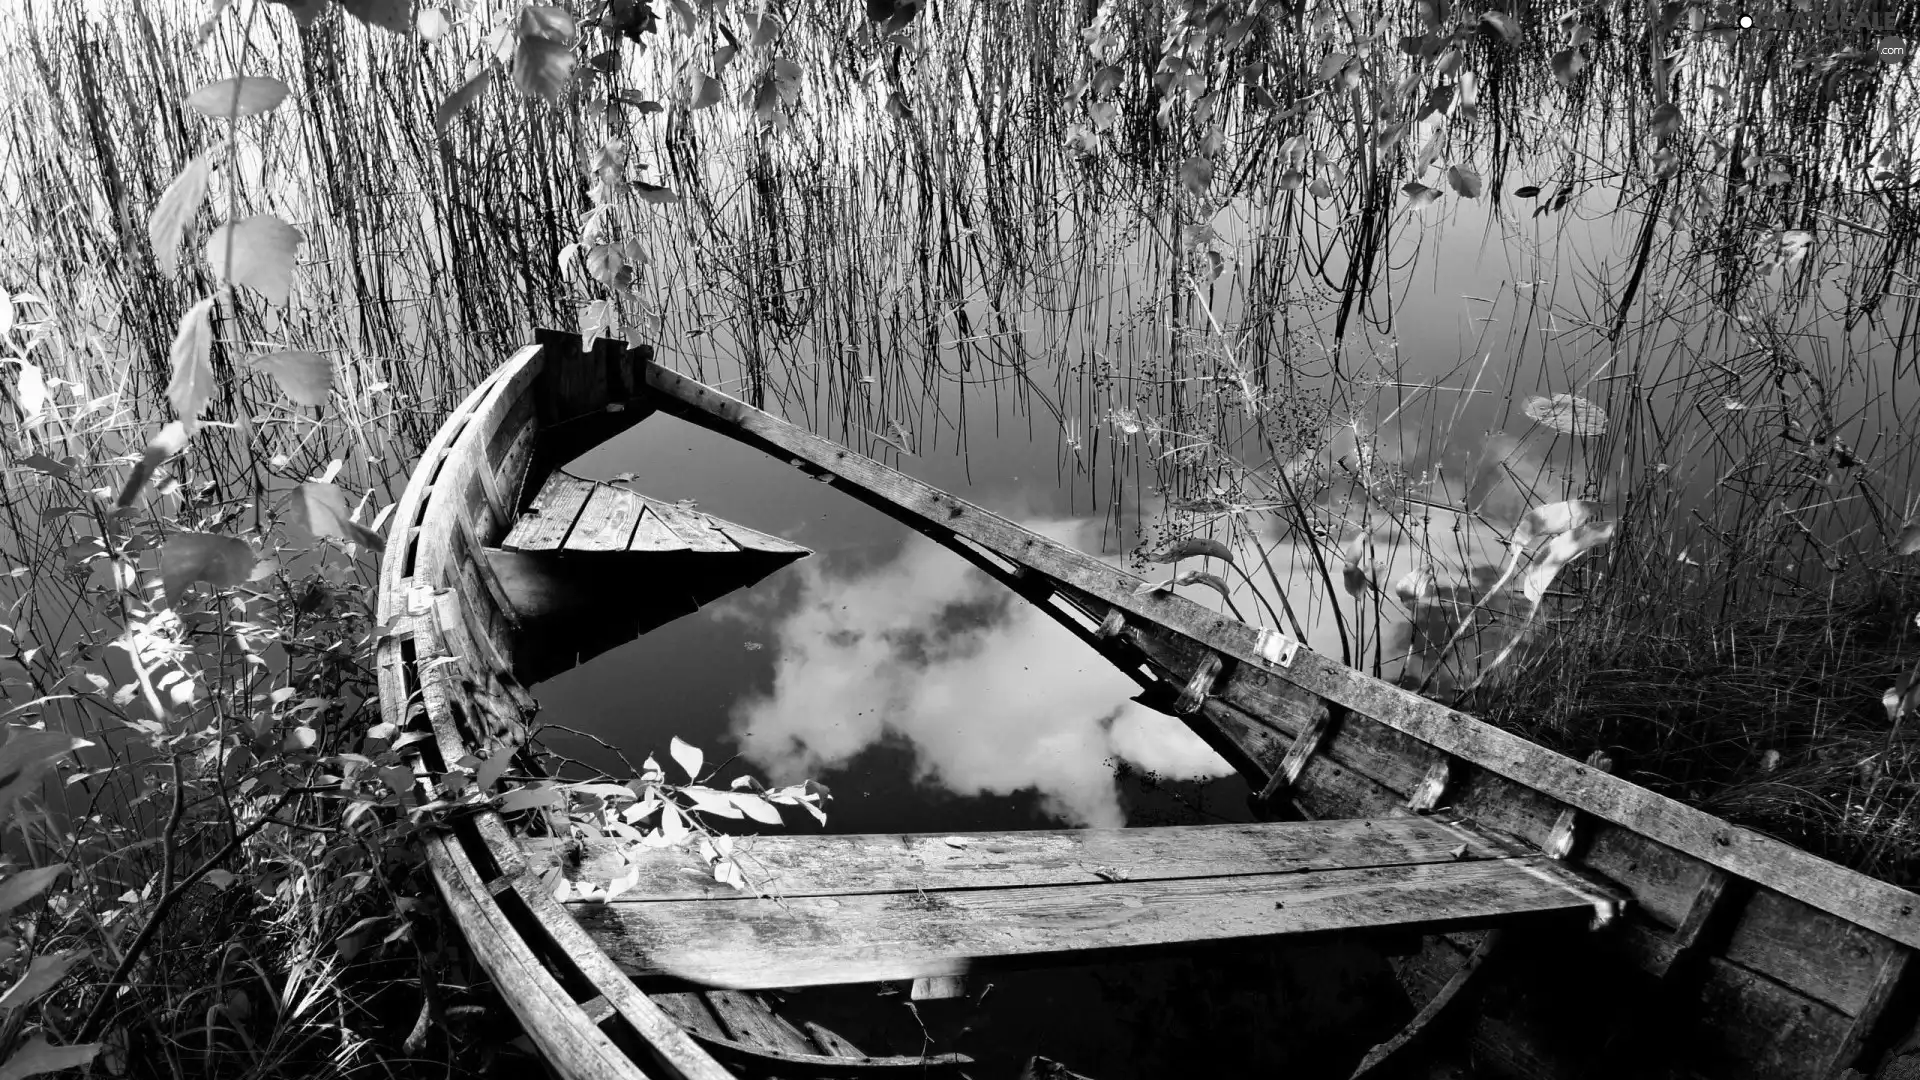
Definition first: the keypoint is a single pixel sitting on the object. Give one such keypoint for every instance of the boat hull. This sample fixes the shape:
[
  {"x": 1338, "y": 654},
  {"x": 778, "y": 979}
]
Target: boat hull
[{"x": 1747, "y": 956}]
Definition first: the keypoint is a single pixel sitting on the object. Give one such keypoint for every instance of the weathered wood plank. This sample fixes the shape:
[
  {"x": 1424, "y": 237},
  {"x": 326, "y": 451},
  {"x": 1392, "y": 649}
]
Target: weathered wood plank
[
  {"x": 572, "y": 1045},
  {"x": 1880, "y": 993},
  {"x": 748, "y": 943},
  {"x": 1881, "y": 906},
  {"x": 547, "y": 522},
  {"x": 671, "y": 1051},
  {"x": 1750, "y": 1025},
  {"x": 695, "y": 528},
  {"x": 749, "y": 1020},
  {"x": 755, "y": 540},
  {"x": 1826, "y": 957},
  {"x": 830, "y": 865},
  {"x": 650, "y": 533},
  {"x": 690, "y": 1011},
  {"x": 606, "y": 522}
]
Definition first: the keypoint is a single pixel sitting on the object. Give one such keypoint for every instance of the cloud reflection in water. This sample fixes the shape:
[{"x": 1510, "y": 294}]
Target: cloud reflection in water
[{"x": 993, "y": 695}]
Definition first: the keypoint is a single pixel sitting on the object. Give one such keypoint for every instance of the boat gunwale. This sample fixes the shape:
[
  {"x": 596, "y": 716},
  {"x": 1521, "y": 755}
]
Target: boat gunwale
[
  {"x": 569, "y": 1038},
  {"x": 1866, "y": 901}
]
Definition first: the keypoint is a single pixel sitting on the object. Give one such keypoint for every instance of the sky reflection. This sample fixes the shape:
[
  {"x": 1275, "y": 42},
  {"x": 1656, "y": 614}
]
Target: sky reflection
[{"x": 991, "y": 694}]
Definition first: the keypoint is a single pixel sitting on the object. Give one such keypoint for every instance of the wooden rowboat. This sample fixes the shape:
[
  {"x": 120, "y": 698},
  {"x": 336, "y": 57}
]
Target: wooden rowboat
[{"x": 1719, "y": 952}]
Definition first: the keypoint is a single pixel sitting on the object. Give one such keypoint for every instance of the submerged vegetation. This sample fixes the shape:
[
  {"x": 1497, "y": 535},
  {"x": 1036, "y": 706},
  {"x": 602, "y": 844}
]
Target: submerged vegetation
[{"x": 1652, "y": 495}]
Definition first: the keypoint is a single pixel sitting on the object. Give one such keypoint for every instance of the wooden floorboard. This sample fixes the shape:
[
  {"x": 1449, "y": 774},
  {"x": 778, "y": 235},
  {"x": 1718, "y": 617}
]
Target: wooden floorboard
[
  {"x": 845, "y": 909},
  {"x": 547, "y": 522},
  {"x": 607, "y": 522},
  {"x": 695, "y": 528},
  {"x": 758, "y": 943},
  {"x": 816, "y": 865}
]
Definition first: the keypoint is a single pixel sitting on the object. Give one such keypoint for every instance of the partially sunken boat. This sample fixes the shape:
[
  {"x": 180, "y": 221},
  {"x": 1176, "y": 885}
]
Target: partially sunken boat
[{"x": 1562, "y": 920}]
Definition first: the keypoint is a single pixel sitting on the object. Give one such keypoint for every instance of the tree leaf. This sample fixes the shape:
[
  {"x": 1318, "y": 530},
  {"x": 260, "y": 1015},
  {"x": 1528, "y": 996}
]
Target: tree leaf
[
  {"x": 349, "y": 943},
  {"x": 1201, "y": 577},
  {"x": 1331, "y": 65},
  {"x": 177, "y": 205},
  {"x": 321, "y": 510},
  {"x": 542, "y": 68},
  {"x": 243, "y": 96},
  {"x": 1527, "y": 192},
  {"x": 26, "y": 756},
  {"x": 492, "y": 769},
  {"x": 532, "y": 797},
  {"x": 27, "y": 884},
  {"x": 192, "y": 384},
  {"x": 1196, "y": 175},
  {"x": 1568, "y": 64},
  {"x": 604, "y": 263},
  {"x": 756, "y": 807},
  {"x": 468, "y": 93},
  {"x": 1553, "y": 519},
  {"x": 1188, "y": 547},
  {"x": 707, "y": 91},
  {"x": 259, "y": 253},
  {"x": 306, "y": 377},
  {"x": 688, "y": 755},
  {"x": 1439, "y": 100},
  {"x": 45, "y": 973},
  {"x": 37, "y": 1058},
  {"x": 763, "y": 28},
  {"x": 220, "y": 561},
  {"x": 685, "y": 13},
  {"x": 1416, "y": 587},
  {"x": 1564, "y": 549},
  {"x": 709, "y": 801},
  {"x": 30, "y": 390},
  {"x": 1419, "y": 194},
  {"x": 303, "y": 11},
  {"x": 654, "y": 193},
  {"x": 673, "y": 827},
  {"x": 1464, "y": 180},
  {"x": 1665, "y": 119},
  {"x": 1501, "y": 23},
  {"x": 1909, "y": 541},
  {"x": 41, "y": 463},
  {"x": 543, "y": 59},
  {"x": 394, "y": 16},
  {"x": 168, "y": 441}
]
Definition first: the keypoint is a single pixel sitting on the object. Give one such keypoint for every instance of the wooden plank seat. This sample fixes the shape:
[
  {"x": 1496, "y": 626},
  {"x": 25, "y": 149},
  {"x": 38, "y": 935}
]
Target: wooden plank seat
[
  {"x": 826, "y": 910},
  {"x": 592, "y": 565},
  {"x": 574, "y": 514}
]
